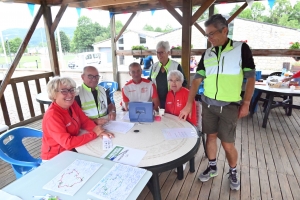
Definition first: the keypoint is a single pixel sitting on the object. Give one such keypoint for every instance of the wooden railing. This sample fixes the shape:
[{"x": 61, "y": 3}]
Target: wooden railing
[
  {"x": 18, "y": 102},
  {"x": 199, "y": 52}
]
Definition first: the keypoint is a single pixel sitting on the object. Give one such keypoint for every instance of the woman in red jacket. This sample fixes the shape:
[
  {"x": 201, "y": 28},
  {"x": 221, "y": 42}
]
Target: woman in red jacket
[
  {"x": 64, "y": 119},
  {"x": 177, "y": 96}
]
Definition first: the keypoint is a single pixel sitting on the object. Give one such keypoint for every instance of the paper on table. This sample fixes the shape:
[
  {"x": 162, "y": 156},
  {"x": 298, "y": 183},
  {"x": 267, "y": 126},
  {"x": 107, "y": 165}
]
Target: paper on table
[
  {"x": 126, "y": 116},
  {"x": 71, "y": 179},
  {"x": 6, "y": 196},
  {"x": 118, "y": 183},
  {"x": 125, "y": 155},
  {"x": 119, "y": 127},
  {"x": 178, "y": 133}
]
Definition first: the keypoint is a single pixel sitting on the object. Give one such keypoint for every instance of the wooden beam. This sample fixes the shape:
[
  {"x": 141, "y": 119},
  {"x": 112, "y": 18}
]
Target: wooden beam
[
  {"x": 199, "y": 28},
  {"x": 125, "y": 26},
  {"x": 186, "y": 38},
  {"x": 20, "y": 52},
  {"x": 171, "y": 10},
  {"x": 114, "y": 47},
  {"x": 201, "y": 10},
  {"x": 58, "y": 17},
  {"x": 102, "y": 3},
  {"x": 237, "y": 12},
  {"x": 50, "y": 39},
  {"x": 199, "y": 52}
]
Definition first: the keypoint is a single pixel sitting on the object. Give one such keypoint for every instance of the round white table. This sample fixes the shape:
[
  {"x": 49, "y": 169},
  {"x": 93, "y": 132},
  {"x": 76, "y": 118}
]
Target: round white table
[
  {"x": 162, "y": 155},
  {"x": 287, "y": 103},
  {"x": 43, "y": 98}
]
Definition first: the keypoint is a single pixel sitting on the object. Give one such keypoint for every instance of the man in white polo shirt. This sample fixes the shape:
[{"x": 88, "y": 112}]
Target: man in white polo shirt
[{"x": 139, "y": 89}]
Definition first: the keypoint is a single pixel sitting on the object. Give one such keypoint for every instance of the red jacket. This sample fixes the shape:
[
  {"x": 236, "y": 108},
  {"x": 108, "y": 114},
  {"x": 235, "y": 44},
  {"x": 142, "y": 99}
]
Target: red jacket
[
  {"x": 60, "y": 130},
  {"x": 176, "y": 102}
]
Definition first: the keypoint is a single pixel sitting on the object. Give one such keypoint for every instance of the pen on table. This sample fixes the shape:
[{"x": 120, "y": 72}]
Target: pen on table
[{"x": 38, "y": 197}]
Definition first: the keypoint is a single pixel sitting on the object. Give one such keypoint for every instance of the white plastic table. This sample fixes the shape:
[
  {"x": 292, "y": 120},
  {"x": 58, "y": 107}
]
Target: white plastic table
[
  {"x": 272, "y": 92},
  {"x": 43, "y": 98},
  {"x": 33, "y": 182},
  {"x": 162, "y": 155}
]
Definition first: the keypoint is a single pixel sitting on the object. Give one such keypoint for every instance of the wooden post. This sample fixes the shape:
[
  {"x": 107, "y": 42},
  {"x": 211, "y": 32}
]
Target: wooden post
[
  {"x": 50, "y": 39},
  {"x": 113, "y": 48},
  {"x": 20, "y": 52},
  {"x": 186, "y": 38},
  {"x": 237, "y": 12},
  {"x": 210, "y": 13}
]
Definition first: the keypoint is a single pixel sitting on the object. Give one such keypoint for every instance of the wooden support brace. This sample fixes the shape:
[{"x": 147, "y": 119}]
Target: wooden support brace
[
  {"x": 20, "y": 51},
  {"x": 58, "y": 17},
  {"x": 125, "y": 26},
  {"x": 201, "y": 10},
  {"x": 237, "y": 12},
  {"x": 171, "y": 10}
]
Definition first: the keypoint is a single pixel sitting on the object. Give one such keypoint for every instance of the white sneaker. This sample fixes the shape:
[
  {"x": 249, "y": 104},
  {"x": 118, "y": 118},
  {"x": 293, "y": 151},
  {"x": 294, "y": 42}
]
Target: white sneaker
[{"x": 184, "y": 165}]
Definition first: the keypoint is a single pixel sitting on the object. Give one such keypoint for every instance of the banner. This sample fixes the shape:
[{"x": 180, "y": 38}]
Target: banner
[
  {"x": 271, "y": 3},
  {"x": 31, "y": 8},
  {"x": 78, "y": 11},
  {"x": 152, "y": 12}
]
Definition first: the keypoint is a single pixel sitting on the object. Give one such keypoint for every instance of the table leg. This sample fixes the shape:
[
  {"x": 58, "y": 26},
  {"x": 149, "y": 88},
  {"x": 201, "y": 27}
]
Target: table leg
[
  {"x": 254, "y": 102},
  {"x": 153, "y": 186},
  {"x": 289, "y": 113},
  {"x": 180, "y": 172},
  {"x": 269, "y": 106},
  {"x": 192, "y": 165}
]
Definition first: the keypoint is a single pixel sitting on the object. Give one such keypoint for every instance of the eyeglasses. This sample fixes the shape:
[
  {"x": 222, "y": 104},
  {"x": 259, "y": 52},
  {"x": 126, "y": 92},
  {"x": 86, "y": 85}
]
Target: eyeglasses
[
  {"x": 211, "y": 34},
  {"x": 91, "y": 77},
  {"x": 174, "y": 81},
  {"x": 66, "y": 91},
  {"x": 160, "y": 52}
]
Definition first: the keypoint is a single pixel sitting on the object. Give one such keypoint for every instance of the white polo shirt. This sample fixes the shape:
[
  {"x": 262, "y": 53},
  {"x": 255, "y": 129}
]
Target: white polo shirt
[{"x": 143, "y": 91}]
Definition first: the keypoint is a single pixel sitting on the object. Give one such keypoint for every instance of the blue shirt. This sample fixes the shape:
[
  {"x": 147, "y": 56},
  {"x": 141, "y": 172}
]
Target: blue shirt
[{"x": 148, "y": 61}]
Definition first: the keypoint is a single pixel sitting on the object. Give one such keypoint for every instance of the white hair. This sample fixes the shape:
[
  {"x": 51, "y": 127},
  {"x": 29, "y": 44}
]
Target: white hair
[
  {"x": 175, "y": 73},
  {"x": 163, "y": 44},
  {"x": 53, "y": 85}
]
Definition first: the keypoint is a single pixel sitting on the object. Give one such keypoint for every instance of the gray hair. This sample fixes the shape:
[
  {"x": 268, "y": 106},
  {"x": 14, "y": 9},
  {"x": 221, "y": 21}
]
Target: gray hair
[
  {"x": 53, "y": 85},
  {"x": 175, "y": 73},
  {"x": 86, "y": 67},
  {"x": 218, "y": 21},
  {"x": 134, "y": 64},
  {"x": 163, "y": 44}
]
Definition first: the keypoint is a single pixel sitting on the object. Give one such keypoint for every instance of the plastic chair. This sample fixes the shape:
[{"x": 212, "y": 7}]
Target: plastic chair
[
  {"x": 13, "y": 151},
  {"x": 146, "y": 72},
  {"x": 112, "y": 86}
]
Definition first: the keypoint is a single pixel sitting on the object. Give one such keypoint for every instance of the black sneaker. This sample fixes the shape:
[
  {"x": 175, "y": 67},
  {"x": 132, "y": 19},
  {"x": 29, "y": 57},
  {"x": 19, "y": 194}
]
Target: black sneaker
[
  {"x": 207, "y": 174},
  {"x": 234, "y": 182}
]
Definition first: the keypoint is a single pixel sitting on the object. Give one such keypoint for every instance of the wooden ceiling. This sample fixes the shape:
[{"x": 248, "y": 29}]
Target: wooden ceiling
[{"x": 119, "y": 6}]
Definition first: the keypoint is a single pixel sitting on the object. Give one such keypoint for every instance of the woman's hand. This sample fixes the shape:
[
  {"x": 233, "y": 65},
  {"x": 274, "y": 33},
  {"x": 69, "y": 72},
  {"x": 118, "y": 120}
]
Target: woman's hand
[
  {"x": 100, "y": 121},
  {"x": 108, "y": 134},
  {"x": 287, "y": 79},
  {"x": 98, "y": 130}
]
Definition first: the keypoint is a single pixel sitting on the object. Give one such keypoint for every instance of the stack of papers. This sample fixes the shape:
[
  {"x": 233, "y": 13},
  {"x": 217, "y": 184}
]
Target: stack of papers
[
  {"x": 119, "y": 127},
  {"x": 179, "y": 133}
]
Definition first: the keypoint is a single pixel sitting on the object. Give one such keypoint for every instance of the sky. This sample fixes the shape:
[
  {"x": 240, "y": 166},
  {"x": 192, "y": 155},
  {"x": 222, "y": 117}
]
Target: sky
[{"x": 16, "y": 15}]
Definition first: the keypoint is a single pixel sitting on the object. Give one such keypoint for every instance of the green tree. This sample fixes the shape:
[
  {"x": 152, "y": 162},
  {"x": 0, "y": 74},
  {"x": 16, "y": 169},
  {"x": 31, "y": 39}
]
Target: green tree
[
  {"x": 295, "y": 15},
  {"x": 14, "y": 45},
  {"x": 281, "y": 8},
  {"x": 85, "y": 34},
  {"x": 246, "y": 14},
  {"x": 148, "y": 28},
  {"x": 257, "y": 10},
  {"x": 158, "y": 29},
  {"x": 65, "y": 42},
  {"x": 284, "y": 21}
]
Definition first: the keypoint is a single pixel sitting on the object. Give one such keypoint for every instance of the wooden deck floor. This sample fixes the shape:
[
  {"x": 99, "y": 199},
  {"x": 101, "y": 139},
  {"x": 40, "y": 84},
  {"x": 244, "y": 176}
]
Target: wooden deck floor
[{"x": 269, "y": 164}]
